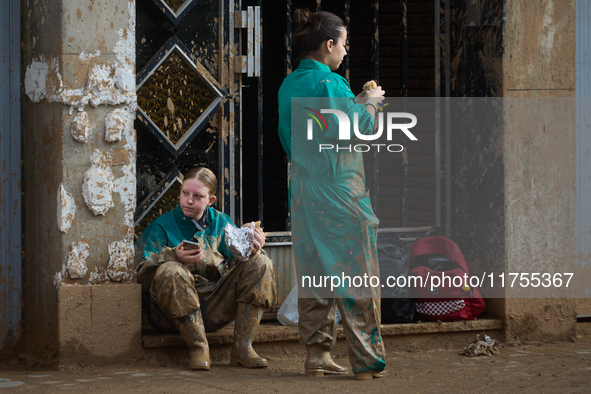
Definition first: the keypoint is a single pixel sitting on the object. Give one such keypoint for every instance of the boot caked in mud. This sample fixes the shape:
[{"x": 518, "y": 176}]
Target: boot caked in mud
[
  {"x": 319, "y": 363},
  {"x": 247, "y": 321},
  {"x": 193, "y": 333}
]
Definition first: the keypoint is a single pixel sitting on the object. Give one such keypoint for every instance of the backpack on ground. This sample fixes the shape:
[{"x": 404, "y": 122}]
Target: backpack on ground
[{"x": 445, "y": 293}]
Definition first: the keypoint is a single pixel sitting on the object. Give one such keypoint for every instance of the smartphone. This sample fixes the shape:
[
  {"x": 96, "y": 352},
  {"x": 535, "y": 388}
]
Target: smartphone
[{"x": 190, "y": 245}]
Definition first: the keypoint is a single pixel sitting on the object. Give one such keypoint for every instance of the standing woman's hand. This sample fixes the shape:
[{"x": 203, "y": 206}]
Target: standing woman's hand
[
  {"x": 361, "y": 97},
  {"x": 372, "y": 98},
  {"x": 376, "y": 94}
]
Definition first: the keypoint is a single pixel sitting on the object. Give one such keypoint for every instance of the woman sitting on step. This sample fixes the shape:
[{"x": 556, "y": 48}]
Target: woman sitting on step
[{"x": 202, "y": 289}]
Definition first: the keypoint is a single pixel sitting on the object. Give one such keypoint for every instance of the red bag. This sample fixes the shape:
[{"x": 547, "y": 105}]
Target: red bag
[{"x": 439, "y": 262}]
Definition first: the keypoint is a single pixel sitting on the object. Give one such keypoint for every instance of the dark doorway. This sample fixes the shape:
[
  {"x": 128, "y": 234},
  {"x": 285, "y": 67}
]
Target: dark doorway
[{"x": 383, "y": 60}]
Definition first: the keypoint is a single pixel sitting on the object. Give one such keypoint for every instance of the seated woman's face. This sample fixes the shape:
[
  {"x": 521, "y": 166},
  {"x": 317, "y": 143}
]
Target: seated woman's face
[{"x": 194, "y": 198}]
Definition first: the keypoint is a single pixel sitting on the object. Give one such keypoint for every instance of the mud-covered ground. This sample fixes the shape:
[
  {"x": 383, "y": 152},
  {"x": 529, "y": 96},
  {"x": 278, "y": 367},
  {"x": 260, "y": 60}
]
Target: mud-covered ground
[{"x": 534, "y": 368}]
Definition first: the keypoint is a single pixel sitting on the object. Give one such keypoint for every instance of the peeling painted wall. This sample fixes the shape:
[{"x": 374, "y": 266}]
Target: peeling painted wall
[{"x": 79, "y": 81}]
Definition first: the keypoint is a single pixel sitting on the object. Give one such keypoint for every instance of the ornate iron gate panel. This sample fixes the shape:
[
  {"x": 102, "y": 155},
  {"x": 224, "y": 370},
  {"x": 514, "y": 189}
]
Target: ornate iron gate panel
[{"x": 184, "y": 94}]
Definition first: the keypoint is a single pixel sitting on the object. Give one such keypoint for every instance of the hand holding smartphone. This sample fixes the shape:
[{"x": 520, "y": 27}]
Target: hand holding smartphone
[{"x": 190, "y": 245}]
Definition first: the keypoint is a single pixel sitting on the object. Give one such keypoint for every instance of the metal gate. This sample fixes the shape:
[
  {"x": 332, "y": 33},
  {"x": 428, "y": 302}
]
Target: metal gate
[
  {"x": 217, "y": 45},
  {"x": 190, "y": 64}
]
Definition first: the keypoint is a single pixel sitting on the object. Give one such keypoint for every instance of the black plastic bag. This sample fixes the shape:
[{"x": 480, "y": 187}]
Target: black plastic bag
[{"x": 398, "y": 305}]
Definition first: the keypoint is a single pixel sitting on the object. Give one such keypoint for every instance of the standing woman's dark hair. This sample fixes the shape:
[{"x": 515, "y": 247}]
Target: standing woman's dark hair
[{"x": 312, "y": 29}]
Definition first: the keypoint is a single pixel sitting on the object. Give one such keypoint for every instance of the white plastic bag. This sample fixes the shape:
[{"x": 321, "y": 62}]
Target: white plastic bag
[{"x": 288, "y": 313}]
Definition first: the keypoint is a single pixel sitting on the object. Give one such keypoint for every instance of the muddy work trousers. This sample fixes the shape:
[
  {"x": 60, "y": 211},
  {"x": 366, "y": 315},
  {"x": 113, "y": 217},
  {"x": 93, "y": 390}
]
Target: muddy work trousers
[
  {"x": 330, "y": 239},
  {"x": 175, "y": 292}
]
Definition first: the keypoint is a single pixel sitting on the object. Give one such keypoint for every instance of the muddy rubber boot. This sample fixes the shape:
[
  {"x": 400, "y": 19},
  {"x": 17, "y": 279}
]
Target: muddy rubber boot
[
  {"x": 367, "y": 375},
  {"x": 319, "y": 363},
  {"x": 247, "y": 320},
  {"x": 193, "y": 333}
]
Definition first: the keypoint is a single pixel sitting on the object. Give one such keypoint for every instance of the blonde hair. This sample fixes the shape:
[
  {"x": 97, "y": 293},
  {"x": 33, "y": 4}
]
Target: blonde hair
[{"x": 206, "y": 176}]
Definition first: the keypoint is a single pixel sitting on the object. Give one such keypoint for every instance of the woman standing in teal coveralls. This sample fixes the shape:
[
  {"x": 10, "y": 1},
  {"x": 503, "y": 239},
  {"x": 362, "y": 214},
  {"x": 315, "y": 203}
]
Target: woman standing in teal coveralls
[{"x": 333, "y": 224}]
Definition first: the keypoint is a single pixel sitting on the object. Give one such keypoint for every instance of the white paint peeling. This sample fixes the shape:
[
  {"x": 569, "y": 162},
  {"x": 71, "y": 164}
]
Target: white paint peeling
[
  {"x": 109, "y": 84},
  {"x": 59, "y": 276},
  {"x": 97, "y": 276},
  {"x": 98, "y": 184},
  {"x": 88, "y": 56},
  {"x": 66, "y": 209},
  {"x": 126, "y": 184},
  {"x": 76, "y": 266},
  {"x": 120, "y": 261},
  {"x": 125, "y": 79},
  {"x": 125, "y": 47},
  {"x": 101, "y": 79},
  {"x": 115, "y": 123},
  {"x": 80, "y": 127},
  {"x": 43, "y": 81}
]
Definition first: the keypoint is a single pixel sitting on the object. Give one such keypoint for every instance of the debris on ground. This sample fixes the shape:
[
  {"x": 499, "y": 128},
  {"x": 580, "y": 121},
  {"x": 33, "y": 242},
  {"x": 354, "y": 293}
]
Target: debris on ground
[{"x": 483, "y": 346}]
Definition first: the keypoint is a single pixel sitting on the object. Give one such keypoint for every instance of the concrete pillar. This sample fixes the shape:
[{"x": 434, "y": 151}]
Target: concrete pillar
[
  {"x": 513, "y": 207},
  {"x": 540, "y": 164},
  {"x": 79, "y": 177}
]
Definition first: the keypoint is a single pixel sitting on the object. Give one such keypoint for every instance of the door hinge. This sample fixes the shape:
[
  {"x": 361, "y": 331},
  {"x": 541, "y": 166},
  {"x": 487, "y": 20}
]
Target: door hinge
[{"x": 249, "y": 64}]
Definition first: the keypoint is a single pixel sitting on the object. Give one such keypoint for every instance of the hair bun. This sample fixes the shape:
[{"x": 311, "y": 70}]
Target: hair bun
[{"x": 301, "y": 16}]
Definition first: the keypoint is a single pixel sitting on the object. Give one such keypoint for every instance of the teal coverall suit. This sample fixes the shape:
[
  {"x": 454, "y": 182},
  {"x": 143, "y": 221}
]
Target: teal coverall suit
[
  {"x": 333, "y": 224},
  {"x": 213, "y": 286}
]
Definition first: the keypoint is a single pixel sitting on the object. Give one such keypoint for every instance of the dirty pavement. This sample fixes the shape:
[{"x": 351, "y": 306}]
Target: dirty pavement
[{"x": 528, "y": 368}]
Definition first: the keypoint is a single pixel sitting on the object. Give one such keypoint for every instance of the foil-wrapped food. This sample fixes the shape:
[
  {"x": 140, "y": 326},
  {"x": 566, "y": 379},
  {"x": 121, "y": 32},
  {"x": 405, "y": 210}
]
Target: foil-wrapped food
[{"x": 239, "y": 240}]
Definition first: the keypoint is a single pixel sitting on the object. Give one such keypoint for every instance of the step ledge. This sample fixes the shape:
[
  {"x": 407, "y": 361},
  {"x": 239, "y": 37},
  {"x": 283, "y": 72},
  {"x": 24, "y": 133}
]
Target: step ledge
[{"x": 275, "y": 332}]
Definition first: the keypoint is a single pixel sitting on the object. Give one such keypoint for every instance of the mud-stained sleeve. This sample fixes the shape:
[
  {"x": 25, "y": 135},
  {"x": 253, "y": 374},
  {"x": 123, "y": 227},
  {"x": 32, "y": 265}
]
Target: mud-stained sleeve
[{"x": 156, "y": 249}]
